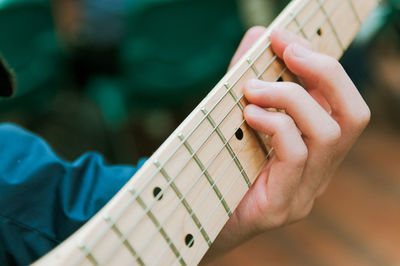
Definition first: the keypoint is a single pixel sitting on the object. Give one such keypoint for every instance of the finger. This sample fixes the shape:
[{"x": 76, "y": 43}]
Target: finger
[
  {"x": 313, "y": 121},
  {"x": 281, "y": 38},
  {"x": 285, "y": 137},
  {"x": 322, "y": 75},
  {"x": 326, "y": 75},
  {"x": 280, "y": 183},
  {"x": 251, "y": 36}
]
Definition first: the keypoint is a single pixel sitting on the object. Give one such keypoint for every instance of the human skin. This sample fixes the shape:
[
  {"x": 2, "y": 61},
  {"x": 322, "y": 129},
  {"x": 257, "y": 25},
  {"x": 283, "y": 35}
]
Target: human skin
[{"x": 322, "y": 120}]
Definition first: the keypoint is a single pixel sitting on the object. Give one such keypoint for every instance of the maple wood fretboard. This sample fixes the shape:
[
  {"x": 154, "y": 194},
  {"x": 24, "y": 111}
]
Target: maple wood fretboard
[{"x": 171, "y": 211}]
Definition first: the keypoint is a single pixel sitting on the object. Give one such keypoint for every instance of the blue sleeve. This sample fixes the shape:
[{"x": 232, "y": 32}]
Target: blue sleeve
[{"x": 44, "y": 199}]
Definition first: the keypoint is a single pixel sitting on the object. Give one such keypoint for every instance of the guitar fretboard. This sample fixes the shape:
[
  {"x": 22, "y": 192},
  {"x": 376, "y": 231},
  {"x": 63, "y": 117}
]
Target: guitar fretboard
[{"x": 171, "y": 211}]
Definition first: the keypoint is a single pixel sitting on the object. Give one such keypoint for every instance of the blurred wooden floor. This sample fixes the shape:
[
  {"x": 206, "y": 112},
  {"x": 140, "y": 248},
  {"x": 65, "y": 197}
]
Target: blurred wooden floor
[{"x": 356, "y": 222}]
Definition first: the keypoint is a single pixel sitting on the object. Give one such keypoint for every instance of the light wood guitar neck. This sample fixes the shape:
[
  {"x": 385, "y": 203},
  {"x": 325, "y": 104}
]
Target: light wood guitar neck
[{"x": 172, "y": 210}]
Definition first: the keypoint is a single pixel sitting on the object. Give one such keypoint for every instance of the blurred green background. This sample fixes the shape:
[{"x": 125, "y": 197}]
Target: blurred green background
[{"x": 117, "y": 76}]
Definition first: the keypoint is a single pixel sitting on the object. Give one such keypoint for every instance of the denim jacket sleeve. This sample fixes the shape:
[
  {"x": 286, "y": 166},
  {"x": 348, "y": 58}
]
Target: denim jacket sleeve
[{"x": 44, "y": 199}]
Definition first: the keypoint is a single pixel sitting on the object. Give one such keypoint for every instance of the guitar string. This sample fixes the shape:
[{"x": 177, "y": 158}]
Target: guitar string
[
  {"x": 170, "y": 213},
  {"x": 235, "y": 180},
  {"x": 252, "y": 158},
  {"x": 149, "y": 208},
  {"x": 191, "y": 214},
  {"x": 322, "y": 3},
  {"x": 133, "y": 199},
  {"x": 259, "y": 168},
  {"x": 243, "y": 120},
  {"x": 311, "y": 36},
  {"x": 210, "y": 215},
  {"x": 221, "y": 176},
  {"x": 160, "y": 226},
  {"x": 327, "y": 18},
  {"x": 130, "y": 230}
]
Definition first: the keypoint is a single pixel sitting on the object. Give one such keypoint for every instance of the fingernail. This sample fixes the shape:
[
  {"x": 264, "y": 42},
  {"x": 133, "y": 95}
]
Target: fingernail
[{"x": 300, "y": 51}]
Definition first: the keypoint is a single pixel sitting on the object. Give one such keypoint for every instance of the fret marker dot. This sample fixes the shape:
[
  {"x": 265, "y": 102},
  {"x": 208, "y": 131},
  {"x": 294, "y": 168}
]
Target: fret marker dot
[
  {"x": 189, "y": 240},
  {"x": 239, "y": 134},
  {"x": 156, "y": 192},
  {"x": 319, "y": 32}
]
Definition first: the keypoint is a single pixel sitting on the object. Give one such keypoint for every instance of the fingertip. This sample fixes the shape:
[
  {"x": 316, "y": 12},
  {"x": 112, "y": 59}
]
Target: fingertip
[
  {"x": 252, "y": 84},
  {"x": 255, "y": 31},
  {"x": 251, "y": 111},
  {"x": 250, "y": 37},
  {"x": 254, "y": 90},
  {"x": 297, "y": 58},
  {"x": 281, "y": 39},
  {"x": 277, "y": 43},
  {"x": 288, "y": 53}
]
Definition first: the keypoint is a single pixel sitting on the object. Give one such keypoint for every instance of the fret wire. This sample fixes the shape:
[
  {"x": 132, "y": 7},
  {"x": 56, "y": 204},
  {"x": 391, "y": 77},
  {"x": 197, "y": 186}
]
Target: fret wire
[
  {"x": 189, "y": 190},
  {"x": 279, "y": 76},
  {"x": 247, "y": 140},
  {"x": 228, "y": 147},
  {"x": 298, "y": 25},
  {"x": 275, "y": 57},
  {"x": 326, "y": 19},
  {"x": 169, "y": 183},
  {"x": 235, "y": 98},
  {"x": 185, "y": 203},
  {"x": 88, "y": 254},
  {"x": 355, "y": 12},
  {"x": 102, "y": 234},
  {"x": 259, "y": 168},
  {"x": 124, "y": 239},
  {"x": 220, "y": 99},
  {"x": 161, "y": 230},
  {"x": 208, "y": 192},
  {"x": 286, "y": 69},
  {"x": 206, "y": 174},
  {"x": 298, "y": 11},
  {"x": 226, "y": 85},
  {"x": 218, "y": 179},
  {"x": 331, "y": 25},
  {"x": 253, "y": 67},
  {"x": 309, "y": 38},
  {"x": 277, "y": 79},
  {"x": 196, "y": 181}
]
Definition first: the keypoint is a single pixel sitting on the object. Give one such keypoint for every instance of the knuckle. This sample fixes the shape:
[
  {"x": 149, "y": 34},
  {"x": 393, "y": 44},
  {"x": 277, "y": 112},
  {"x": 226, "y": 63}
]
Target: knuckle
[
  {"x": 280, "y": 217},
  {"x": 359, "y": 117},
  {"x": 276, "y": 214},
  {"x": 330, "y": 135},
  {"x": 364, "y": 117},
  {"x": 284, "y": 123},
  {"x": 300, "y": 155},
  {"x": 304, "y": 212}
]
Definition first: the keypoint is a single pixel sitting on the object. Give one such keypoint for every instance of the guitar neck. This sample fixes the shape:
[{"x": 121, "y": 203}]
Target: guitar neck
[{"x": 172, "y": 210}]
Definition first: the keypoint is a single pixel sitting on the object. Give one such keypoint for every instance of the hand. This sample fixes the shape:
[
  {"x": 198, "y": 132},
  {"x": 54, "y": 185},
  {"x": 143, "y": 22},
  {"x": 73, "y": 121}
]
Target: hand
[{"x": 321, "y": 123}]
